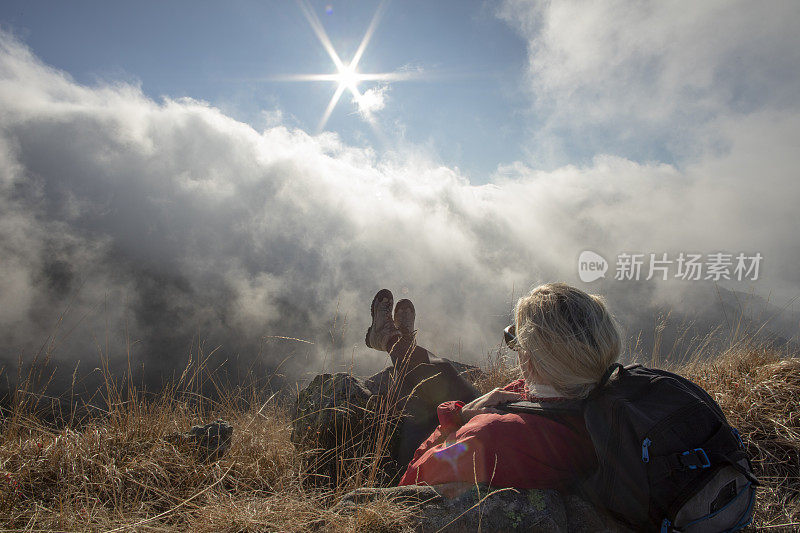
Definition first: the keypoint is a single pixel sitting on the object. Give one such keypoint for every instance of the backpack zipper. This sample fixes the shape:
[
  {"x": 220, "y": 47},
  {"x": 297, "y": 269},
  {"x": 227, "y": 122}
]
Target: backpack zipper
[{"x": 645, "y": 453}]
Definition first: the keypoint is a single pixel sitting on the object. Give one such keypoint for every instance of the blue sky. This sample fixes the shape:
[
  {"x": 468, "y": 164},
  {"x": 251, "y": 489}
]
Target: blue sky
[{"x": 466, "y": 109}]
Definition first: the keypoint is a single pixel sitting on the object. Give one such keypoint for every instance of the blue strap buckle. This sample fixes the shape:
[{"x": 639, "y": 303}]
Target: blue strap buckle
[{"x": 700, "y": 453}]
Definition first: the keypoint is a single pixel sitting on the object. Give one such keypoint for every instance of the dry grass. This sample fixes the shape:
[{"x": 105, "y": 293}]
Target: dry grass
[
  {"x": 500, "y": 369},
  {"x": 759, "y": 390},
  {"x": 115, "y": 471}
]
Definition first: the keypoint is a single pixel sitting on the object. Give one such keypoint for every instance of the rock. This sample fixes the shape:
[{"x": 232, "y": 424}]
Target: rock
[
  {"x": 209, "y": 442},
  {"x": 343, "y": 426},
  {"x": 329, "y": 402},
  {"x": 463, "y": 507}
]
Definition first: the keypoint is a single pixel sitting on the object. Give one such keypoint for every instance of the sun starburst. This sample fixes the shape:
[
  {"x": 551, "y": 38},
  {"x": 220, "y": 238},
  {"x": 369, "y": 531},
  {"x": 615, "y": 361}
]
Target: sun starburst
[{"x": 347, "y": 76}]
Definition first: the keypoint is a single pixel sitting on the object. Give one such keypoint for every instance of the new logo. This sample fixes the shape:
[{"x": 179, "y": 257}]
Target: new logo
[{"x": 591, "y": 266}]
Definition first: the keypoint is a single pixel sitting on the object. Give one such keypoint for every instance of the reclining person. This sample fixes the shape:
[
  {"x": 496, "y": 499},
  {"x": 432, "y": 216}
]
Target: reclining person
[
  {"x": 419, "y": 381},
  {"x": 565, "y": 340}
]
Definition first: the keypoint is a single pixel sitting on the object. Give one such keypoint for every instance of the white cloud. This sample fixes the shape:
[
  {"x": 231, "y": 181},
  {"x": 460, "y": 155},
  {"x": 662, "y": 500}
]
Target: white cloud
[
  {"x": 644, "y": 78},
  {"x": 372, "y": 101},
  {"x": 173, "y": 221},
  {"x": 272, "y": 117}
]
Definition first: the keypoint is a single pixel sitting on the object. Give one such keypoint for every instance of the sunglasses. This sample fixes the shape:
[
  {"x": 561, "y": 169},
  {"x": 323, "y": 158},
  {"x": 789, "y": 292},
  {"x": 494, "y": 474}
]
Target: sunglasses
[{"x": 510, "y": 336}]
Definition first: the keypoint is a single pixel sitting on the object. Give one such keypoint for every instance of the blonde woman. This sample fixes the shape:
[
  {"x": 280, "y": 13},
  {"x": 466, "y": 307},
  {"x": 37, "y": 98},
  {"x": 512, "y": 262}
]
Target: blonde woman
[{"x": 565, "y": 340}]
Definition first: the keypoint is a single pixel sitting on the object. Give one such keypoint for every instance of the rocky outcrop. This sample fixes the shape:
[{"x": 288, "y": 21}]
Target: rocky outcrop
[
  {"x": 328, "y": 402},
  {"x": 208, "y": 442},
  {"x": 459, "y": 507},
  {"x": 343, "y": 426}
]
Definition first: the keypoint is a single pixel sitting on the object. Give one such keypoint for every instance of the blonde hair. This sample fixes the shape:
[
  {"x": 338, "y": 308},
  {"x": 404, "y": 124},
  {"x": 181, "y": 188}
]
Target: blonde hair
[{"x": 567, "y": 338}]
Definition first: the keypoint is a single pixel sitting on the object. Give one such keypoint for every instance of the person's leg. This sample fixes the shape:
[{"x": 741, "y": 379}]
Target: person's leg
[
  {"x": 415, "y": 369},
  {"x": 418, "y": 382},
  {"x": 418, "y": 391},
  {"x": 406, "y": 355}
]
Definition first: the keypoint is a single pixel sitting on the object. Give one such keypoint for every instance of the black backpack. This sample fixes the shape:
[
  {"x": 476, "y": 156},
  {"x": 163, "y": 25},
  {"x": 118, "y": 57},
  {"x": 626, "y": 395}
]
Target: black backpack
[{"x": 667, "y": 458}]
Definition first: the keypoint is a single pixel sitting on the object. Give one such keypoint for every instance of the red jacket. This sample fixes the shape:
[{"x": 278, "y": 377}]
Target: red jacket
[{"x": 504, "y": 450}]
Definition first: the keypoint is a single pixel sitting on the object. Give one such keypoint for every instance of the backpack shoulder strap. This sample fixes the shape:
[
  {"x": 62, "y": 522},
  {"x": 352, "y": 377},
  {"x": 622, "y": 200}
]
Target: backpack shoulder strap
[
  {"x": 608, "y": 373},
  {"x": 597, "y": 390}
]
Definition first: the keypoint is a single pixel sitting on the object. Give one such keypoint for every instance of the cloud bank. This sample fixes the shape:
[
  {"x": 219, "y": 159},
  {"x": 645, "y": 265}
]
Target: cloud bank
[
  {"x": 161, "y": 226},
  {"x": 649, "y": 80}
]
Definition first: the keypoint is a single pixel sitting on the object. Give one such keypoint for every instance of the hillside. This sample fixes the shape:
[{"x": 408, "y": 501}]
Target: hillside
[{"x": 117, "y": 470}]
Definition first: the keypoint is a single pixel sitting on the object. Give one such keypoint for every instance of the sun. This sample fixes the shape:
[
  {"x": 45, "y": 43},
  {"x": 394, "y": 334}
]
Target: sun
[{"x": 348, "y": 78}]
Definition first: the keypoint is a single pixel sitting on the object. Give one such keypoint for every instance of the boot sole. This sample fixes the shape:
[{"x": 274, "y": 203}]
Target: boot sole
[
  {"x": 383, "y": 293},
  {"x": 403, "y": 304}
]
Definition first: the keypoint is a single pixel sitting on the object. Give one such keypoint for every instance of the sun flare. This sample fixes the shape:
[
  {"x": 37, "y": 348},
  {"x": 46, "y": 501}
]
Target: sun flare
[{"x": 348, "y": 77}]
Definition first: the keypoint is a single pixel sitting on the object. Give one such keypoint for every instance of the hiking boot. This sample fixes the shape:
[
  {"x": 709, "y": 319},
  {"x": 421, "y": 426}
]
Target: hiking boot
[
  {"x": 404, "y": 315},
  {"x": 382, "y": 334}
]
